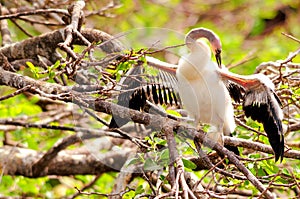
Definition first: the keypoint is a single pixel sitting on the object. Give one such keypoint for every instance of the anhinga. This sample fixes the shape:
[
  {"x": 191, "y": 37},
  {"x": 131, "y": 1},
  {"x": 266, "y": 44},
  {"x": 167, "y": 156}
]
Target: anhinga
[{"x": 206, "y": 89}]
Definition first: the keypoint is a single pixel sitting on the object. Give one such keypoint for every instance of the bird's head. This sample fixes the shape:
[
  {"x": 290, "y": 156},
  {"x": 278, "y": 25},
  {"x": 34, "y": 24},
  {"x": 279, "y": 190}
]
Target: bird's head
[{"x": 212, "y": 37}]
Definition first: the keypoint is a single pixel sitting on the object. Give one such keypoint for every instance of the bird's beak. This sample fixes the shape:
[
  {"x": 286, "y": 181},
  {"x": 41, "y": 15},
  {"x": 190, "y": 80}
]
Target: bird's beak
[{"x": 218, "y": 58}]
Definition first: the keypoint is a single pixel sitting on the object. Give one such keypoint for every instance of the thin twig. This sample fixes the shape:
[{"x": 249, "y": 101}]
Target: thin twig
[
  {"x": 34, "y": 12},
  {"x": 19, "y": 91},
  {"x": 291, "y": 37},
  {"x": 90, "y": 184}
]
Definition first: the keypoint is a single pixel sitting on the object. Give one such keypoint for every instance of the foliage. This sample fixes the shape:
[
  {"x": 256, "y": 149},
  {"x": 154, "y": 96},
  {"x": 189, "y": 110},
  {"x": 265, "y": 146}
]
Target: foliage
[{"x": 245, "y": 31}]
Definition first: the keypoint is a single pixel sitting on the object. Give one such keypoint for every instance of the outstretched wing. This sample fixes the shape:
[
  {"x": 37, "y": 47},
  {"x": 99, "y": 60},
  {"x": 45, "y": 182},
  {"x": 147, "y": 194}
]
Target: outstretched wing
[
  {"x": 159, "y": 89},
  {"x": 263, "y": 105}
]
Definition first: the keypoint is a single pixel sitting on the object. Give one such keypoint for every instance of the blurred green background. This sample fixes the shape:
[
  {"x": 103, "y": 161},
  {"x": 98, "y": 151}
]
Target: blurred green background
[{"x": 246, "y": 28}]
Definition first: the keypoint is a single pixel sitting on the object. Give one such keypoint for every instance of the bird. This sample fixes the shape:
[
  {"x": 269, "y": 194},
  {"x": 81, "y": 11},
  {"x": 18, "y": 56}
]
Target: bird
[
  {"x": 206, "y": 89},
  {"x": 203, "y": 93}
]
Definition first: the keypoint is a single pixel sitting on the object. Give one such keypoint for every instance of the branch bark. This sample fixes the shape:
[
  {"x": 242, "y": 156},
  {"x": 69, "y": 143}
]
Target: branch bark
[
  {"x": 19, "y": 161},
  {"x": 45, "y": 45}
]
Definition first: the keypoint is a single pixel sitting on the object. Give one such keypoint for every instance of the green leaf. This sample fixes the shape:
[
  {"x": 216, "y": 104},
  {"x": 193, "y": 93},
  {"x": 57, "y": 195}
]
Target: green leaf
[
  {"x": 30, "y": 65},
  {"x": 225, "y": 181},
  {"x": 162, "y": 177},
  {"x": 246, "y": 182},
  {"x": 123, "y": 66},
  {"x": 51, "y": 74},
  {"x": 160, "y": 141},
  {"x": 189, "y": 164},
  {"x": 285, "y": 171},
  {"x": 261, "y": 172},
  {"x": 254, "y": 156},
  {"x": 164, "y": 154},
  {"x": 51, "y": 68},
  {"x": 270, "y": 167},
  {"x": 129, "y": 195},
  {"x": 134, "y": 160},
  {"x": 140, "y": 189},
  {"x": 164, "y": 157},
  {"x": 282, "y": 180},
  {"x": 33, "y": 69},
  {"x": 56, "y": 65},
  {"x": 150, "y": 165}
]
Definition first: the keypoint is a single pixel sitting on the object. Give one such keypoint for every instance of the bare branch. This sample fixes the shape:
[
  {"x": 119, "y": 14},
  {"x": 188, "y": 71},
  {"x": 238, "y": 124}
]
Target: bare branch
[
  {"x": 35, "y": 12},
  {"x": 39, "y": 166},
  {"x": 18, "y": 161},
  {"x": 19, "y": 91},
  {"x": 5, "y": 33},
  {"x": 256, "y": 146}
]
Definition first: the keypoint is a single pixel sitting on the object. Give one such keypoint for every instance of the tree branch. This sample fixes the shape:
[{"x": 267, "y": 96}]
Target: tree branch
[
  {"x": 45, "y": 45},
  {"x": 222, "y": 150},
  {"x": 18, "y": 161},
  {"x": 256, "y": 146}
]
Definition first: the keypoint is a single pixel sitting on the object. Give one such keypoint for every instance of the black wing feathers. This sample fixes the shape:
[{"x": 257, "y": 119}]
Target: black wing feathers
[
  {"x": 160, "y": 90},
  {"x": 274, "y": 124},
  {"x": 236, "y": 92},
  {"x": 263, "y": 105}
]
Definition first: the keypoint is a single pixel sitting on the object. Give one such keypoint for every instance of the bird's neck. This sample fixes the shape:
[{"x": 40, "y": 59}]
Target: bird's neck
[
  {"x": 192, "y": 66},
  {"x": 197, "y": 63}
]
